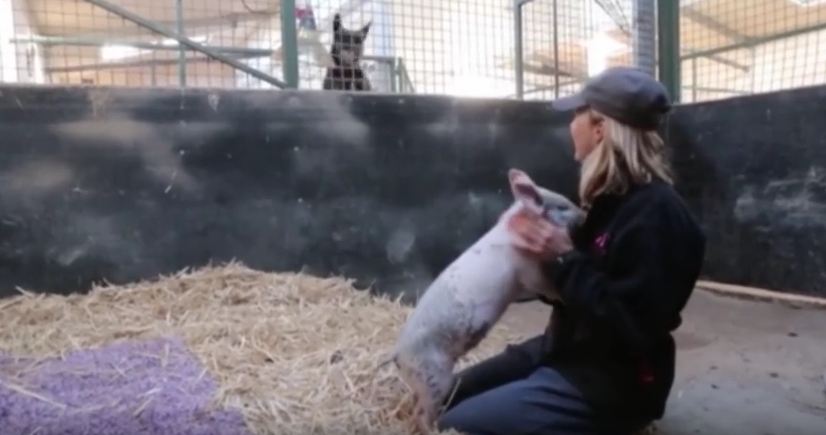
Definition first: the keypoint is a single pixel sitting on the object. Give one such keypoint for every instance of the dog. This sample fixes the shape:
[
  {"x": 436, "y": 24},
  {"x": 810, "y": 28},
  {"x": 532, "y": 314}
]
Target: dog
[{"x": 346, "y": 52}]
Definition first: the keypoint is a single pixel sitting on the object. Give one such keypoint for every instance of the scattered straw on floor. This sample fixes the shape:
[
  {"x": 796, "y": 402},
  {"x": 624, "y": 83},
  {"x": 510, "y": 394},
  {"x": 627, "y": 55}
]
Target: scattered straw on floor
[{"x": 296, "y": 353}]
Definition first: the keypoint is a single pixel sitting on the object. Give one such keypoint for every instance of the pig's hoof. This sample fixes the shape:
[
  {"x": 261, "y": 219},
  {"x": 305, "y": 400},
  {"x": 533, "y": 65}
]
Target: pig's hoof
[
  {"x": 424, "y": 420},
  {"x": 424, "y": 427}
]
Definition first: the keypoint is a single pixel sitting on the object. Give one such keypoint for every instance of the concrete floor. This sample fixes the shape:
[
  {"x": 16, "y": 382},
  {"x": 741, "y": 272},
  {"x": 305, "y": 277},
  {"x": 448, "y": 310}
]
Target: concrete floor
[{"x": 743, "y": 367}]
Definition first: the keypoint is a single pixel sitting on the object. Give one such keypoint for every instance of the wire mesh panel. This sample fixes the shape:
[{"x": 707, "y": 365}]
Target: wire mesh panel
[
  {"x": 71, "y": 42},
  {"x": 553, "y": 48},
  {"x": 733, "y": 47},
  {"x": 457, "y": 47},
  {"x": 454, "y": 47}
]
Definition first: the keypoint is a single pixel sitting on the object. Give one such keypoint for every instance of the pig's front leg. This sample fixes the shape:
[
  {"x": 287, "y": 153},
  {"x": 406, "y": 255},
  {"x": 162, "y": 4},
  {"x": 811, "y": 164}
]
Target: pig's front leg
[
  {"x": 534, "y": 281},
  {"x": 524, "y": 294}
]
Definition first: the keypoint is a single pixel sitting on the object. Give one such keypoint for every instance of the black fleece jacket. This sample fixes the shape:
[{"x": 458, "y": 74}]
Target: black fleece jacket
[{"x": 636, "y": 260}]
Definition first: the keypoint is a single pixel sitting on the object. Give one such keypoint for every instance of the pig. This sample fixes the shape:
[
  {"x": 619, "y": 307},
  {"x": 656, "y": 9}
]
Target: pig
[{"x": 469, "y": 296}]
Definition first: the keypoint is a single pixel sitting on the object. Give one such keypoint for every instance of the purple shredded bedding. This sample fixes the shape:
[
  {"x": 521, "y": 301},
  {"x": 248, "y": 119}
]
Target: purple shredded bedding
[{"x": 150, "y": 387}]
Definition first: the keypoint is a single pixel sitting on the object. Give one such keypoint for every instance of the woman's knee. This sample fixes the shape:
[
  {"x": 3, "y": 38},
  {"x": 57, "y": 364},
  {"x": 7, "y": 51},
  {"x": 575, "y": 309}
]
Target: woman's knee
[
  {"x": 542, "y": 402},
  {"x": 514, "y": 363},
  {"x": 460, "y": 419}
]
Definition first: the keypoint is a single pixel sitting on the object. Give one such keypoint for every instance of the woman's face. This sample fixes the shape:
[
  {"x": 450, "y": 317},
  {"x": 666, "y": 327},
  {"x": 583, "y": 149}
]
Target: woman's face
[{"x": 586, "y": 134}]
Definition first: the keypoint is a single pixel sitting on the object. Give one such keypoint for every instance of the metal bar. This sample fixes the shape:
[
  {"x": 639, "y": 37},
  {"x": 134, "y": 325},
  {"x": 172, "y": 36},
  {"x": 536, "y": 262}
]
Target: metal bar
[
  {"x": 383, "y": 59},
  {"x": 407, "y": 80},
  {"x": 720, "y": 59},
  {"x": 694, "y": 80},
  {"x": 614, "y": 12},
  {"x": 556, "y": 52},
  {"x": 234, "y": 18},
  {"x": 289, "y": 43},
  {"x": 709, "y": 22},
  {"x": 395, "y": 77},
  {"x": 136, "y": 63},
  {"x": 549, "y": 87},
  {"x": 518, "y": 53},
  {"x": 97, "y": 42},
  {"x": 704, "y": 20},
  {"x": 668, "y": 28},
  {"x": 718, "y": 90},
  {"x": 730, "y": 63},
  {"x": 643, "y": 36},
  {"x": 149, "y": 24},
  {"x": 756, "y": 41},
  {"x": 179, "y": 19},
  {"x": 753, "y": 70},
  {"x": 153, "y": 72}
]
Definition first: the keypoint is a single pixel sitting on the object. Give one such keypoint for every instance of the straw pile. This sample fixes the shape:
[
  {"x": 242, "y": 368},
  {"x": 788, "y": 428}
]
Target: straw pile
[{"x": 295, "y": 353}]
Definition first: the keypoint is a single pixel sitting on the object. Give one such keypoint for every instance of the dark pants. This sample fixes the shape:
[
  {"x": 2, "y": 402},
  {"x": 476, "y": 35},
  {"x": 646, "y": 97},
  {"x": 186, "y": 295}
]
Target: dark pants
[{"x": 512, "y": 393}]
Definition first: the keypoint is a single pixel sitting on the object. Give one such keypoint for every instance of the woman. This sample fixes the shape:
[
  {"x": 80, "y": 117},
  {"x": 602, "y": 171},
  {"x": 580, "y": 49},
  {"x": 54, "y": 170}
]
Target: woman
[{"x": 606, "y": 362}]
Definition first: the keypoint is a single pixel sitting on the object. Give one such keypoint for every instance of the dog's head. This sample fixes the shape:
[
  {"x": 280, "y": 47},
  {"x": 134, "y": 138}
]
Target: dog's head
[{"x": 348, "y": 45}]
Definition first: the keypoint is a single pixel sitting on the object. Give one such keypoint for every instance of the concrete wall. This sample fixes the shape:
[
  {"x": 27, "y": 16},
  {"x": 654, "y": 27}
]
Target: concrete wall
[
  {"x": 122, "y": 184},
  {"x": 754, "y": 170}
]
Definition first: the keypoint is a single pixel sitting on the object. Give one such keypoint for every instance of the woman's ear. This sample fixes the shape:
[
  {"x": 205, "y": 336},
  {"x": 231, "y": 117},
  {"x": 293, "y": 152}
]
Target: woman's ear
[{"x": 598, "y": 130}]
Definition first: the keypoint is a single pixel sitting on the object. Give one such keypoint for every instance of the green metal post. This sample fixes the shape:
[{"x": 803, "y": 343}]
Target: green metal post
[
  {"x": 289, "y": 43},
  {"x": 179, "y": 19},
  {"x": 395, "y": 76},
  {"x": 518, "y": 53},
  {"x": 556, "y": 52},
  {"x": 668, "y": 31},
  {"x": 644, "y": 35}
]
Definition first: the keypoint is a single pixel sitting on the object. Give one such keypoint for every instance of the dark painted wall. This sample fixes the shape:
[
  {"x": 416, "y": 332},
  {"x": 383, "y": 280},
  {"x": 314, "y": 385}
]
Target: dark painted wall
[
  {"x": 754, "y": 171},
  {"x": 123, "y": 184}
]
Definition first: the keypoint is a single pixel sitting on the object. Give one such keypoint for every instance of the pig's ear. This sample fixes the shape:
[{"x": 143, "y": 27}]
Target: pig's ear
[{"x": 525, "y": 190}]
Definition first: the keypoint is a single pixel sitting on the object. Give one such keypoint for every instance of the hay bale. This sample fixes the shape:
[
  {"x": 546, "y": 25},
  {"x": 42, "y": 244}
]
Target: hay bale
[{"x": 294, "y": 353}]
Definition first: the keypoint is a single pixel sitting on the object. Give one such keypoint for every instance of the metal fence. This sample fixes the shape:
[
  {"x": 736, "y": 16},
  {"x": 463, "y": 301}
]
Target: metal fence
[
  {"x": 456, "y": 47},
  {"x": 531, "y": 49},
  {"x": 208, "y": 43}
]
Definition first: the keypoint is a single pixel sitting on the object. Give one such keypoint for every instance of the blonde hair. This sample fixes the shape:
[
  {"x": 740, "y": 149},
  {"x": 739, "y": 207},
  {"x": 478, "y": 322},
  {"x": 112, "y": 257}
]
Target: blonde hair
[{"x": 625, "y": 156}]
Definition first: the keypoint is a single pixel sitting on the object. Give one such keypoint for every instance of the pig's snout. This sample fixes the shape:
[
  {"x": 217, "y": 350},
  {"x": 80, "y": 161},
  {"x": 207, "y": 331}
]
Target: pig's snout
[{"x": 566, "y": 216}]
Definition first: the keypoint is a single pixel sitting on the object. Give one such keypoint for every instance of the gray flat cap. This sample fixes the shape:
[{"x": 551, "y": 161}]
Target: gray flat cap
[{"x": 627, "y": 94}]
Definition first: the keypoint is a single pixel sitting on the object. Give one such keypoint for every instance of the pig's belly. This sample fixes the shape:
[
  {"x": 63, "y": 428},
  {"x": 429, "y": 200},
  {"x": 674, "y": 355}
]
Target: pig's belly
[
  {"x": 486, "y": 279},
  {"x": 462, "y": 304}
]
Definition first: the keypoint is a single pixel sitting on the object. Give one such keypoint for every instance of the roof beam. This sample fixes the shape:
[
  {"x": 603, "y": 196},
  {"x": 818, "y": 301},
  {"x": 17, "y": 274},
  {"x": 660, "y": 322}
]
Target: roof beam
[
  {"x": 704, "y": 20},
  {"x": 183, "y": 40},
  {"x": 753, "y": 42},
  {"x": 709, "y": 22}
]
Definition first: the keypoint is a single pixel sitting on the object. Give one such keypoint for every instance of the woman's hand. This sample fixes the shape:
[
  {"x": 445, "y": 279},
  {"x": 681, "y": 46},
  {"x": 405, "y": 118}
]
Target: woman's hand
[{"x": 537, "y": 236}]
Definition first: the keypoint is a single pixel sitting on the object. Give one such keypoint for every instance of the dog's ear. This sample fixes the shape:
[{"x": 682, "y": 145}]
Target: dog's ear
[
  {"x": 366, "y": 28},
  {"x": 337, "y": 23}
]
